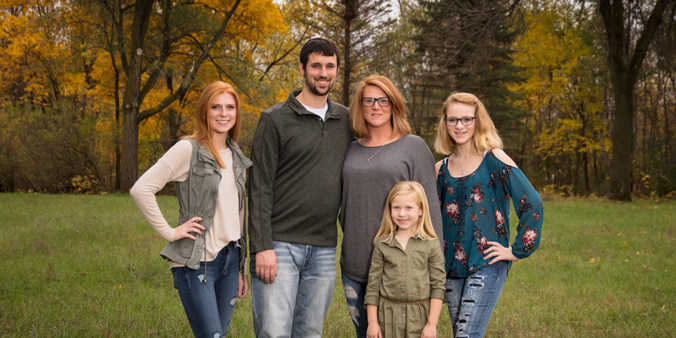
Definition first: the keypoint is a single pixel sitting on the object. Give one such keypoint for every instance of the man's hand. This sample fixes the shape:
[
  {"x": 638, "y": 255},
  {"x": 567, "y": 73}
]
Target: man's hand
[{"x": 266, "y": 266}]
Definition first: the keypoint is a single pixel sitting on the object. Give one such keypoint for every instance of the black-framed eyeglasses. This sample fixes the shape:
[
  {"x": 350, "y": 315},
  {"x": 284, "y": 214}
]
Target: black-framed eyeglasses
[
  {"x": 453, "y": 121},
  {"x": 370, "y": 101}
]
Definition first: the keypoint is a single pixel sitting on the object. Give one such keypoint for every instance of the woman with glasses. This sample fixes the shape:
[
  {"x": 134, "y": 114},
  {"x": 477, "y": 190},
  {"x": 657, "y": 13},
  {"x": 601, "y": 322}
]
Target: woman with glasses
[
  {"x": 384, "y": 154},
  {"x": 474, "y": 185}
]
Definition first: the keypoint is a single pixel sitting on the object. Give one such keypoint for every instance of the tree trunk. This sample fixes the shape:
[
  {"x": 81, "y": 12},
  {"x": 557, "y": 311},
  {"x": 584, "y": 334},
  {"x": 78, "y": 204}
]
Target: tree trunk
[
  {"x": 130, "y": 109},
  {"x": 667, "y": 130},
  {"x": 349, "y": 16},
  {"x": 116, "y": 131},
  {"x": 622, "y": 137},
  {"x": 129, "y": 165},
  {"x": 131, "y": 95},
  {"x": 624, "y": 65},
  {"x": 585, "y": 160}
]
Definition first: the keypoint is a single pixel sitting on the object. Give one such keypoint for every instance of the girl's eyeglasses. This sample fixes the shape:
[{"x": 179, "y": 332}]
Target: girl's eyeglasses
[{"x": 453, "y": 121}]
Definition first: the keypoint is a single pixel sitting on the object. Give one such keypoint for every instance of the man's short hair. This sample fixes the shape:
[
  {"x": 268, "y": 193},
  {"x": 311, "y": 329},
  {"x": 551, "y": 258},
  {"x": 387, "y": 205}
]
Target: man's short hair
[{"x": 319, "y": 45}]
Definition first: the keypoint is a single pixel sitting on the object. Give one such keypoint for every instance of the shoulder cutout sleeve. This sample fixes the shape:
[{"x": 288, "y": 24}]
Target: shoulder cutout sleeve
[{"x": 527, "y": 203}]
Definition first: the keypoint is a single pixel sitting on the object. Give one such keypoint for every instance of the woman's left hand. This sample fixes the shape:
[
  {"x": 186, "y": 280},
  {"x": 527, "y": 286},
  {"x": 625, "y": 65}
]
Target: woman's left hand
[
  {"x": 499, "y": 252},
  {"x": 242, "y": 286}
]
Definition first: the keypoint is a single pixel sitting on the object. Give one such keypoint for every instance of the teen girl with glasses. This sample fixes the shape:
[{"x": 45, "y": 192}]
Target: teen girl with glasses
[{"x": 475, "y": 183}]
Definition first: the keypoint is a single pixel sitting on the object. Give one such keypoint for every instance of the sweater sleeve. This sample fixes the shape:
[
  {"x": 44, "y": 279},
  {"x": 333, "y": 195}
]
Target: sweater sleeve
[
  {"x": 527, "y": 203},
  {"x": 172, "y": 166},
  {"x": 422, "y": 171},
  {"x": 372, "y": 295},
  {"x": 265, "y": 156}
]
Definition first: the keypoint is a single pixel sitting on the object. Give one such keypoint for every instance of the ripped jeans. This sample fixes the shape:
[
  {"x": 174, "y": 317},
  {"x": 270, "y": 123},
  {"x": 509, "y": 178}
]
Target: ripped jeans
[
  {"x": 209, "y": 306},
  {"x": 354, "y": 296},
  {"x": 471, "y": 300}
]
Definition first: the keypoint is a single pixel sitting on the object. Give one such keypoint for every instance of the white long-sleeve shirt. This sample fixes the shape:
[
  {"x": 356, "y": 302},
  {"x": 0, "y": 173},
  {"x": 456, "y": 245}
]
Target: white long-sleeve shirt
[{"x": 174, "y": 166}]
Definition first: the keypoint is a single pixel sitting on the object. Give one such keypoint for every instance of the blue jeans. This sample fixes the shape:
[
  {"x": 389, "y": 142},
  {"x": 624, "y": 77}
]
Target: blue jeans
[
  {"x": 471, "y": 300},
  {"x": 354, "y": 296},
  {"x": 209, "y": 306},
  {"x": 295, "y": 304}
]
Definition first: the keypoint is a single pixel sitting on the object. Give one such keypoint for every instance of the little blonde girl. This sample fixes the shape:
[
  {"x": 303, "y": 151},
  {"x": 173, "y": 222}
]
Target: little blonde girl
[{"x": 405, "y": 288}]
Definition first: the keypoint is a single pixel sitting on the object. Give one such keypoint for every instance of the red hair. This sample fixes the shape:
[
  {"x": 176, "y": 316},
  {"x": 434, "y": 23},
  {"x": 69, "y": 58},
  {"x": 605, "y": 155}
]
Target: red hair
[{"x": 203, "y": 133}]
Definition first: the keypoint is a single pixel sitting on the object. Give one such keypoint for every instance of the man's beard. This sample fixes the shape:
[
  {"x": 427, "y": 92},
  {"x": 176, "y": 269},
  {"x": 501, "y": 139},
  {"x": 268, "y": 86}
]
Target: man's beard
[{"x": 313, "y": 87}]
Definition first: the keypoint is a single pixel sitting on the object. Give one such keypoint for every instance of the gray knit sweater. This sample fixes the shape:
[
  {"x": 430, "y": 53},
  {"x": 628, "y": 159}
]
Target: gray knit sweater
[
  {"x": 369, "y": 173},
  {"x": 294, "y": 183}
]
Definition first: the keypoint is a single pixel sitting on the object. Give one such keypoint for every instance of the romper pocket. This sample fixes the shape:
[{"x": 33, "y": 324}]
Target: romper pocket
[{"x": 419, "y": 259}]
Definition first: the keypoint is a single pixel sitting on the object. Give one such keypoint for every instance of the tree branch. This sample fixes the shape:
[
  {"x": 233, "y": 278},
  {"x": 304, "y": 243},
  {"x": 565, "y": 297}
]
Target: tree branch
[
  {"x": 646, "y": 37},
  {"x": 275, "y": 62},
  {"x": 187, "y": 81}
]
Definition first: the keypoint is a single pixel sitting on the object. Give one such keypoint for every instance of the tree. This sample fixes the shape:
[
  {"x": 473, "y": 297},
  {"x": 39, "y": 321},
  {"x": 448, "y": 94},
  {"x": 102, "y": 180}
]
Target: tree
[
  {"x": 466, "y": 45},
  {"x": 564, "y": 91},
  {"x": 396, "y": 58},
  {"x": 46, "y": 122},
  {"x": 351, "y": 25},
  {"x": 629, "y": 36},
  {"x": 93, "y": 62},
  {"x": 133, "y": 93}
]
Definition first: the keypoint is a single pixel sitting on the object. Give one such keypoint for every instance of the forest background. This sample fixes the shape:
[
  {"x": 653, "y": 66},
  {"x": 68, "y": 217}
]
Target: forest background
[{"x": 583, "y": 93}]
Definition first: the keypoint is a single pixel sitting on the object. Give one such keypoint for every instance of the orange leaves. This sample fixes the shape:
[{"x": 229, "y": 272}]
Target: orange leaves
[{"x": 33, "y": 51}]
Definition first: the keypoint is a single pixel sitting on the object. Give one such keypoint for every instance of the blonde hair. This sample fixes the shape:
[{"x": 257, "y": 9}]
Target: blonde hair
[
  {"x": 203, "y": 133},
  {"x": 485, "y": 135},
  {"x": 358, "y": 124},
  {"x": 424, "y": 229}
]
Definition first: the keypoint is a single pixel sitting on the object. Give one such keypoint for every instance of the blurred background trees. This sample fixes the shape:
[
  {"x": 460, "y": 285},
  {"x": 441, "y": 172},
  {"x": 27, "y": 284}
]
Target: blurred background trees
[{"x": 583, "y": 93}]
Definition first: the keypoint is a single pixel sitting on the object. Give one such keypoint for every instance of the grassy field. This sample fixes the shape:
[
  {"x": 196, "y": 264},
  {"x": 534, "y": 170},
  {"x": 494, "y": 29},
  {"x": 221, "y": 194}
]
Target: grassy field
[{"x": 88, "y": 266}]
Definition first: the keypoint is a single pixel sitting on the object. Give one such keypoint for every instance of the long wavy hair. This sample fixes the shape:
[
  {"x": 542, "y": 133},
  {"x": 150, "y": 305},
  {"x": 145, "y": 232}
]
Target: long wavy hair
[
  {"x": 485, "y": 135},
  {"x": 203, "y": 133},
  {"x": 423, "y": 229},
  {"x": 357, "y": 123}
]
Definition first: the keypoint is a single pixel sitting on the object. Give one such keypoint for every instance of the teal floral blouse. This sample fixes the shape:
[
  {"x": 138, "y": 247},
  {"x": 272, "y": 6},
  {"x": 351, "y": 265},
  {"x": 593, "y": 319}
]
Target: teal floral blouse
[{"x": 475, "y": 210}]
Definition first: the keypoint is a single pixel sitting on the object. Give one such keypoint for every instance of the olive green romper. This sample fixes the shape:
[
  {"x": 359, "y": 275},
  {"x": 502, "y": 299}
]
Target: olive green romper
[{"x": 410, "y": 276}]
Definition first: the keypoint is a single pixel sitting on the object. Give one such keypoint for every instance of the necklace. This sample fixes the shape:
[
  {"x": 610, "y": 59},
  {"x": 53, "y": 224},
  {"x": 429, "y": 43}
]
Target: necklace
[
  {"x": 462, "y": 170},
  {"x": 379, "y": 149}
]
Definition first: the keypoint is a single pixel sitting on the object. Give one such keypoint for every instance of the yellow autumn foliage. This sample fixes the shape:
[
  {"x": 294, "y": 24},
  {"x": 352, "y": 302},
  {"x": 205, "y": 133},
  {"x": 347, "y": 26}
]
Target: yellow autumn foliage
[{"x": 563, "y": 96}]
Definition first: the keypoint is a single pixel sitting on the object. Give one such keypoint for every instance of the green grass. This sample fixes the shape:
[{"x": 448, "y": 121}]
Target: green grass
[{"x": 89, "y": 266}]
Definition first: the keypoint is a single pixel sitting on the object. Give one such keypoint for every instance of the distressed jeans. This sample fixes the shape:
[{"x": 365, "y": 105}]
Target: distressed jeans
[
  {"x": 354, "y": 296},
  {"x": 209, "y": 306},
  {"x": 471, "y": 300},
  {"x": 296, "y": 303}
]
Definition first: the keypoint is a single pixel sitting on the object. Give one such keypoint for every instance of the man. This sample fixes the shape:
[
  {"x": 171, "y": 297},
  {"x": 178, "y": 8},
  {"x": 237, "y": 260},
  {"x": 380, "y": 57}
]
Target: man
[{"x": 294, "y": 197}]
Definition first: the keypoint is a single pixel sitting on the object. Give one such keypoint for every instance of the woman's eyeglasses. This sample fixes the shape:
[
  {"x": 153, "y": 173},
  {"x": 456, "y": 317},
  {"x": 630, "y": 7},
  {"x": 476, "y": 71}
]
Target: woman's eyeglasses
[{"x": 370, "y": 101}]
